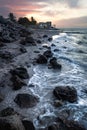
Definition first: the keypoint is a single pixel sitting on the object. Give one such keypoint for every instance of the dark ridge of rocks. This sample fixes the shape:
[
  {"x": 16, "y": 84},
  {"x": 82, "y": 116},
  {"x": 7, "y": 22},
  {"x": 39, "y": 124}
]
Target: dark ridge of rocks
[
  {"x": 53, "y": 63},
  {"x": 66, "y": 93},
  {"x": 25, "y": 100},
  {"x": 17, "y": 82},
  {"x": 28, "y": 125},
  {"x": 29, "y": 40},
  {"x": 21, "y": 72},
  {"x": 41, "y": 59},
  {"x": 1, "y": 97},
  {"x": 11, "y": 123},
  {"x": 7, "y": 112},
  {"x": 48, "y": 53}
]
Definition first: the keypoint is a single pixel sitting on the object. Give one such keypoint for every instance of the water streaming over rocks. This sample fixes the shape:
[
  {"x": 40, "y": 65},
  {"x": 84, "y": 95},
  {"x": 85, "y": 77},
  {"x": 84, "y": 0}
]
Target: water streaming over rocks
[{"x": 71, "y": 52}]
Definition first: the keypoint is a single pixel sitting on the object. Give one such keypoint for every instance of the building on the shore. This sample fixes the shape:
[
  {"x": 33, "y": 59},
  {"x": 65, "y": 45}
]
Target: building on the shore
[{"x": 46, "y": 25}]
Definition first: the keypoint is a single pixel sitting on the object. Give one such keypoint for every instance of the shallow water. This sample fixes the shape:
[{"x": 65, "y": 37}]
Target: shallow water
[{"x": 73, "y": 58}]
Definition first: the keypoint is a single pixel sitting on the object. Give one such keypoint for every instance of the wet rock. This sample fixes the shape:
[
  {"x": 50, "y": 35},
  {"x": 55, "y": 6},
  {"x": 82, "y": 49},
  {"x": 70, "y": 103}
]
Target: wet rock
[
  {"x": 41, "y": 59},
  {"x": 30, "y": 40},
  {"x": 39, "y": 41},
  {"x": 31, "y": 85},
  {"x": 28, "y": 125},
  {"x": 53, "y": 45},
  {"x": 36, "y": 51},
  {"x": 1, "y": 44},
  {"x": 1, "y": 97},
  {"x": 74, "y": 125},
  {"x": 45, "y": 36},
  {"x": 56, "y": 50},
  {"x": 25, "y": 100},
  {"x": 53, "y": 127},
  {"x": 53, "y": 63},
  {"x": 58, "y": 103},
  {"x": 7, "y": 112},
  {"x": 11, "y": 123},
  {"x": 17, "y": 82},
  {"x": 23, "y": 32},
  {"x": 21, "y": 72},
  {"x": 22, "y": 41},
  {"x": 50, "y": 39},
  {"x": 6, "y": 55},
  {"x": 48, "y": 53},
  {"x": 65, "y": 93},
  {"x": 23, "y": 50}
]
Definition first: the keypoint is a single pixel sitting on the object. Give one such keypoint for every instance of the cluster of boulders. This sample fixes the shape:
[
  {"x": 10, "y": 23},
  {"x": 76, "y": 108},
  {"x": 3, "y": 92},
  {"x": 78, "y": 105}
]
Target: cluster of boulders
[
  {"x": 11, "y": 120},
  {"x": 47, "y": 58},
  {"x": 18, "y": 76}
]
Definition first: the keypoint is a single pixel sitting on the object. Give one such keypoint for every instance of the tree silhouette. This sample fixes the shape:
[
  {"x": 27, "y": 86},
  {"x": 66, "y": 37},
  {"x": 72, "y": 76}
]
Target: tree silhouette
[{"x": 12, "y": 17}]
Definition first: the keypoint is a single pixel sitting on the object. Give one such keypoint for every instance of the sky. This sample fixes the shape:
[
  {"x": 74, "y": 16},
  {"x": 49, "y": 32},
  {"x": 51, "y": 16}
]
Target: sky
[{"x": 62, "y": 13}]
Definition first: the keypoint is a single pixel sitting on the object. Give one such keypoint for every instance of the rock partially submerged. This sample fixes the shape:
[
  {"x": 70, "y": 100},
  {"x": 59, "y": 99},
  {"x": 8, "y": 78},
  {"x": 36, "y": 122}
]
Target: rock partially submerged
[
  {"x": 54, "y": 64},
  {"x": 65, "y": 93},
  {"x": 25, "y": 100}
]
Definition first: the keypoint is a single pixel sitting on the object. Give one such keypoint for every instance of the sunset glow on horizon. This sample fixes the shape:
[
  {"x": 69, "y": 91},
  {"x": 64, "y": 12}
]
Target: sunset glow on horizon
[{"x": 62, "y": 13}]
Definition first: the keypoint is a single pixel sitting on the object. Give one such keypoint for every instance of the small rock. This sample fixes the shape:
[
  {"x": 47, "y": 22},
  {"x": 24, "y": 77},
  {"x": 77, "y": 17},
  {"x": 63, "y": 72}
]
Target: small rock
[
  {"x": 17, "y": 82},
  {"x": 28, "y": 125},
  {"x": 41, "y": 59},
  {"x": 45, "y": 36},
  {"x": 20, "y": 72},
  {"x": 25, "y": 100},
  {"x": 48, "y": 54},
  {"x": 39, "y": 41},
  {"x": 23, "y": 50},
  {"x": 50, "y": 39},
  {"x": 1, "y": 97},
  {"x": 65, "y": 93},
  {"x": 58, "y": 103},
  {"x": 7, "y": 112},
  {"x": 53, "y": 63}
]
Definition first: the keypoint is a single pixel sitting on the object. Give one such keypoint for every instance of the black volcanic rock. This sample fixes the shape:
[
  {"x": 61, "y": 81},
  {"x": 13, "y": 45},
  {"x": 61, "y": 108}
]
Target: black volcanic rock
[
  {"x": 65, "y": 93},
  {"x": 25, "y": 100},
  {"x": 11, "y": 123},
  {"x": 53, "y": 63},
  {"x": 17, "y": 82},
  {"x": 20, "y": 72},
  {"x": 28, "y": 125},
  {"x": 41, "y": 59},
  {"x": 48, "y": 53}
]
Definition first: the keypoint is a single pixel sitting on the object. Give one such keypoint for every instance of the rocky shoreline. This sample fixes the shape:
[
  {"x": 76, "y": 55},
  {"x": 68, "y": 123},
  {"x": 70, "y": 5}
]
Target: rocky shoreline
[{"x": 20, "y": 51}]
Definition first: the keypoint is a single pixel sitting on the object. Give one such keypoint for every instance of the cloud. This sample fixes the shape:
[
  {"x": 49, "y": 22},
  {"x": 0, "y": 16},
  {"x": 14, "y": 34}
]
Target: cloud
[{"x": 73, "y": 22}]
